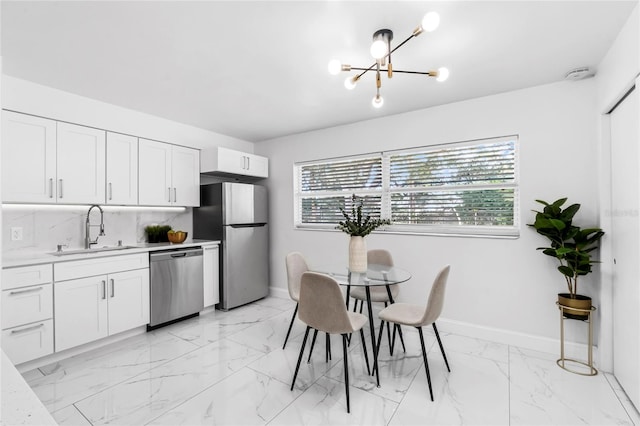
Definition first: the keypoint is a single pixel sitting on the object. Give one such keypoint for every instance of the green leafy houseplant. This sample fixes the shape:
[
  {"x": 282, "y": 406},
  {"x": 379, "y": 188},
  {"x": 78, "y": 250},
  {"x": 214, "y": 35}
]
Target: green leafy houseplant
[
  {"x": 355, "y": 224},
  {"x": 157, "y": 233},
  {"x": 571, "y": 245}
]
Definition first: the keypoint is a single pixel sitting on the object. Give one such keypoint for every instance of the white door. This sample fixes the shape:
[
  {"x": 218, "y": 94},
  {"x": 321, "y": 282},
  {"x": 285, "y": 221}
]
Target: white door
[
  {"x": 625, "y": 234},
  {"x": 211, "y": 274},
  {"x": 28, "y": 158},
  {"x": 81, "y": 164},
  {"x": 122, "y": 169},
  {"x": 80, "y": 311},
  {"x": 185, "y": 176},
  {"x": 154, "y": 171},
  {"x": 128, "y": 295}
]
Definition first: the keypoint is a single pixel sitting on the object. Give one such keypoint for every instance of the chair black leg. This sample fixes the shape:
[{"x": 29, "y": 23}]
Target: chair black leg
[
  {"x": 377, "y": 349},
  {"x": 426, "y": 363},
  {"x": 313, "y": 343},
  {"x": 393, "y": 337},
  {"x": 304, "y": 341},
  {"x": 327, "y": 347},
  {"x": 401, "y": 337},
  {"x": 346, "y": 370},
  {"x": 364, "y": 349},
  {"x": 435, "y": 329},
  {"x": 389, "y": 335},
  {"x": 293, "y": 318},
  {"x": 361, "y": 305}
]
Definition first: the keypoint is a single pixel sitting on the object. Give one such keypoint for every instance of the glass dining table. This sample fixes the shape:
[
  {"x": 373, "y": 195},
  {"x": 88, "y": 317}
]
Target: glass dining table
[{"x": 375, "y": 276}]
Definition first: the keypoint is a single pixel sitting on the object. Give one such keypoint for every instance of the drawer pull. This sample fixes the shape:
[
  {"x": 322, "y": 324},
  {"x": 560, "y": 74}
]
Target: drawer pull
[
  {"x": 22, "y": 330},
  {"x": 113, "y": 287},
  {"x": 104, "y": 289},
  {"x": 29, "y": 290}
]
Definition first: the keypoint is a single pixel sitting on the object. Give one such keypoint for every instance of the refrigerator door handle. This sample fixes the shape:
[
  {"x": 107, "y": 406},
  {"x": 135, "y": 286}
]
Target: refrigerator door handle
[{"x": 248, "y": 225}]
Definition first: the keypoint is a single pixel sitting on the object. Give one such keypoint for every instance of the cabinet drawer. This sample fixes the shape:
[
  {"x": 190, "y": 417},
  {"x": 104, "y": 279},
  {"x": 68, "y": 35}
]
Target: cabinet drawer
[
  {"x": 100, "y": 266},
  {"x": 28, "y": 342},
  {"x": 26, "y": 276},
  {"x": 26, "y": 305}
]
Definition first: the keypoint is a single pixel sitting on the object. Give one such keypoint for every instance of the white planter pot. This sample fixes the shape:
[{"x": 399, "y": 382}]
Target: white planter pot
[{"x": 357, "y": 254}]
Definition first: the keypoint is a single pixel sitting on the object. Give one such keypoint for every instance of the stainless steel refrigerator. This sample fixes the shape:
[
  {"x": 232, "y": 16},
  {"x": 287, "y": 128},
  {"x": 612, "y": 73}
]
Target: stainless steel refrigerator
[{"x": 236, "y": 214}]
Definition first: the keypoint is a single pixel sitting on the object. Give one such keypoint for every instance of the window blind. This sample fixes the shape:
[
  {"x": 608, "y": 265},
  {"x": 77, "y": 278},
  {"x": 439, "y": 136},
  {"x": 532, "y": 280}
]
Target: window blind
[{"x": 460, "y": 188}]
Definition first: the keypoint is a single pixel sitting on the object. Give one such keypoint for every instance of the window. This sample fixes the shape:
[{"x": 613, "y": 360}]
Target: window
[{"x": 462, "y": 188}]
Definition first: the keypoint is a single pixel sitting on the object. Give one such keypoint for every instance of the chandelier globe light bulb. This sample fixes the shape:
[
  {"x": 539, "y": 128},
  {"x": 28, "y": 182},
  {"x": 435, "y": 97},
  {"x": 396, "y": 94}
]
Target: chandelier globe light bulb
[
  {"x": 378, "y": 49},
  {"x": 443, "y": 74},
  {"x": 349, "y": 83},
  {"x": 334, "y": 67},
  {"x": 377, "y": 101},
  {"x": 430, "y": 21}
]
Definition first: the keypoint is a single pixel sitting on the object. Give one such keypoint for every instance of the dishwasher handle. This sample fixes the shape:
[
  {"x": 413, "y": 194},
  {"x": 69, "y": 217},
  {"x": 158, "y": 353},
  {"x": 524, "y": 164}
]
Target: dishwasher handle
[{"x": 172, "y": 254}]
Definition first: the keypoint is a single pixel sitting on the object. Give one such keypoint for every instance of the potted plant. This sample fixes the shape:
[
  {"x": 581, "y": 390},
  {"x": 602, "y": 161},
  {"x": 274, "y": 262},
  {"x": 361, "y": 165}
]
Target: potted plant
[
  {"x": 358, "y": 226},
  {"x": 157, "y": 233},
  {"x": 572, "y": 246}
]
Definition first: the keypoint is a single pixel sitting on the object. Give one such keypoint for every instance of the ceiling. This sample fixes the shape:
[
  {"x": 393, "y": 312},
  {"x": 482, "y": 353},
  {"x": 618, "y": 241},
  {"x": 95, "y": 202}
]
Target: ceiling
[{"x": 256, "y": 70}]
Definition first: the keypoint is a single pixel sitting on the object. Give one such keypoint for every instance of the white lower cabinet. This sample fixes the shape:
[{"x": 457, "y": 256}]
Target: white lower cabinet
[
  {"x": 27, "y": 311},
  {"x": 81, "y": 311},
  {"x": 90, "y": 308},
  {"x": 211, "y": 274},
  {"x": 28, "y": 342}
]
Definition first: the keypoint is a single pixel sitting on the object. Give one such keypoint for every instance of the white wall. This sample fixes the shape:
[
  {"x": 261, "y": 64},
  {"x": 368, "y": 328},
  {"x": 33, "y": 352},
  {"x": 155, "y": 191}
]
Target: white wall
[
  {"x": 25, "y": 96},
  {"x": 501, "y": 287}
]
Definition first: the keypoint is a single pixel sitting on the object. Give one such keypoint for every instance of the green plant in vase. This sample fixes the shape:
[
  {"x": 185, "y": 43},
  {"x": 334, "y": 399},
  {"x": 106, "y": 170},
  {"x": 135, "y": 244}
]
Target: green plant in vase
[{"x": 357, "y": 225}]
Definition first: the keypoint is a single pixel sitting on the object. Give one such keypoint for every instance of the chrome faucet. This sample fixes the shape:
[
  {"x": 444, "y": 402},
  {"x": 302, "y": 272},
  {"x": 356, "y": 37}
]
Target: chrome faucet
[{"x": 88, "y": 225}]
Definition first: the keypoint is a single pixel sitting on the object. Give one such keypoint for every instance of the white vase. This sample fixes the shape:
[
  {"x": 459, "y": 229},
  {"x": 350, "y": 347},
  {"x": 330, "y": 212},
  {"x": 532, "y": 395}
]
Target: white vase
[{"x": 357, "y": 254}]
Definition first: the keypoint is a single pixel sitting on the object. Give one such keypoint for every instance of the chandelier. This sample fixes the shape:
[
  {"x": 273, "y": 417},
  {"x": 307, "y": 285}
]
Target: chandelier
[{"x": 381, "y": 52}]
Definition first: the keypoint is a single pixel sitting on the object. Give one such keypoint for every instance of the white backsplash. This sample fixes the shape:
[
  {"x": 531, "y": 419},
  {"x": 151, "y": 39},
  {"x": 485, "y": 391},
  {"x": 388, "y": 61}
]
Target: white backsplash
[{"x": 44, "y": 228}]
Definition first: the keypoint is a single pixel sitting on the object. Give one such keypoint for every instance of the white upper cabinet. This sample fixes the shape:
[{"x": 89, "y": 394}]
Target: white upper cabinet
[
  {"x": 28, "y": 158},
  {"x": 122, "y": 169},
  {"x": 228, "y": 161},
  {"x": 44, "y": 161},
  {"x": 185, "y": 176},
  {"x": 169, "y": 174},
  {"x": 81, "y": 164}
]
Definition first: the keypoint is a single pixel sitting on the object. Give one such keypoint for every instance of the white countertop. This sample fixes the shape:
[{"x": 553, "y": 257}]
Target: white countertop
[
  {"x": 20, "y": 405},
  {"x": 34, "y": 257}
]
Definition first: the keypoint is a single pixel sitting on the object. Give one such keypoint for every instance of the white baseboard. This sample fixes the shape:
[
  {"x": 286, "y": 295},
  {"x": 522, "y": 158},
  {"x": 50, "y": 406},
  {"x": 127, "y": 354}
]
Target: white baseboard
[
  {"x": 513, "y": 338},
  {"x": 282, "y": 293}
]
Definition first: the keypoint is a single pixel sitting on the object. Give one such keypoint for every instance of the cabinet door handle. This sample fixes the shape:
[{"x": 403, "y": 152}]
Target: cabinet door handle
[
  {"x": 169, "y": 191},
  {"x": 248, "y": 163},
  {"x": 110, "y": 191},
  {"x": 29, "y": 290},
  {"x": 113, "y": 287},
  {"x": 50, "y": 187},
  {"x": 175, "y": 194},
  {"x": 243, "y": 162},
  {"x": 22, "y": 330},
  {"x": 104, "y": 289},
  {"x": 60, "y": 188}
]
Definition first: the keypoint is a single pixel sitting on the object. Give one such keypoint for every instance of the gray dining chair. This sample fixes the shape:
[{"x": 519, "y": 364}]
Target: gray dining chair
[
  {"x": 296, "y": 266},
  {"x": 418, "y": 317},
  {"x": 379, "y": 294},
  {"x": 322, "y": 307}
]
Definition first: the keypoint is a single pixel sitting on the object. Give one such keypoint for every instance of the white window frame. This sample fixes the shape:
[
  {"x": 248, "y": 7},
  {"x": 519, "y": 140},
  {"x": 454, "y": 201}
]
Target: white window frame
[{"x": 385, "y": 192}]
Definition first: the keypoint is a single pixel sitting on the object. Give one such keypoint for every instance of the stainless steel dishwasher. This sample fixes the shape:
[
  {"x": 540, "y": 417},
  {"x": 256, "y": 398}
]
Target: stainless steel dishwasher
[{"x": 176, "y": 285}]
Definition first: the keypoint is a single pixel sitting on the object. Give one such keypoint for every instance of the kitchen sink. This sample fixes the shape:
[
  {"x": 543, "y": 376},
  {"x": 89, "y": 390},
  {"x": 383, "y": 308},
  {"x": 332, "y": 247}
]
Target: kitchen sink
[{"x": 91, "y": 250}]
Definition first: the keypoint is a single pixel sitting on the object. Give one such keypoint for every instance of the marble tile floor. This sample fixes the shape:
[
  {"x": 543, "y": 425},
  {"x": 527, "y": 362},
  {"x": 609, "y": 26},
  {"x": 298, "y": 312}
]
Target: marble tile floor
[{"x": 229, "y": 368}]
